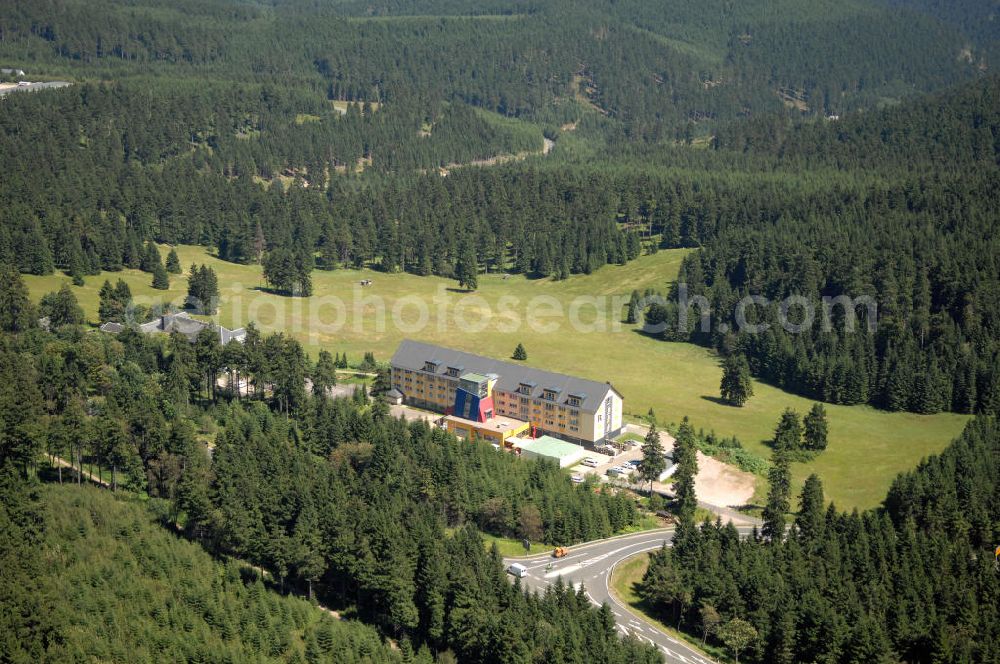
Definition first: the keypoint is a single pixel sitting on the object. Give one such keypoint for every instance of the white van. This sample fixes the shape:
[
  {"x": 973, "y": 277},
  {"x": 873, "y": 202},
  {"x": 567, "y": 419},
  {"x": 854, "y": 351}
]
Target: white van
[
  {"x": 590, "y": 462},
  {"x": 518, "y": 570}
]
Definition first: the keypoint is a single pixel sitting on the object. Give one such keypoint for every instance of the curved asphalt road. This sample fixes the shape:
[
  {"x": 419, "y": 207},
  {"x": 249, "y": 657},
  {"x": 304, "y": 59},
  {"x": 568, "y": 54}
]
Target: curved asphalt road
[{"x": 592, "y": 564}]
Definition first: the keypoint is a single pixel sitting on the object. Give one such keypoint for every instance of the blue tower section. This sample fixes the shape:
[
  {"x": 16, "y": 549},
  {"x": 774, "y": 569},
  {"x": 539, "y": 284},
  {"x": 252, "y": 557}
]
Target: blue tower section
[{"x": 473, "y": 398}]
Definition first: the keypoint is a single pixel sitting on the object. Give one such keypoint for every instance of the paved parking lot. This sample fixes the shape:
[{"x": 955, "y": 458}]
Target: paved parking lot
[
  {"x": 632, "y": 451},
  {"x": 411, "y": 414}
]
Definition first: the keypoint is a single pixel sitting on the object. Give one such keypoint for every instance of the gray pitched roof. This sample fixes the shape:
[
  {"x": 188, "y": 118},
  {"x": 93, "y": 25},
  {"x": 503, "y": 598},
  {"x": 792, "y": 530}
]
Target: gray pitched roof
[
  {"x": 182, "y": 322},
  {"x": 414, "y": 354},
  {"x": 226, "y": 335}
]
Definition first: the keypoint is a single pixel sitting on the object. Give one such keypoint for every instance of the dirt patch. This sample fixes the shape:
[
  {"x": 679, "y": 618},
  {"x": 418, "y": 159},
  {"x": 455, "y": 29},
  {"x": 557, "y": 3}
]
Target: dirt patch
[
  {"x": 547, "y": 145},
  {"x": 716, "y": 483},
  {"x": 793, "y": 99},
  {"x": 721, "y": 484},
  {"x": 585, "y": 91}
]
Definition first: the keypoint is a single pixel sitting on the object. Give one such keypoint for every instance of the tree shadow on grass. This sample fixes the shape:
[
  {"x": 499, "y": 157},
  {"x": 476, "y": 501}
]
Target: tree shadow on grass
[
  {"x": 718, "y": 400},
  {"x": 643, "y": 333},
  {"x": 274, "y": 291}
]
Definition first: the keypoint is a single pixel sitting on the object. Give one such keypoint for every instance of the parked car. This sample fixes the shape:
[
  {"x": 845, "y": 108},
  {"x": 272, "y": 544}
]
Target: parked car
[
  {"x": 615, "y": 471},
  {"x": 576, "y": 478},
  {"x": 590, "y": 462},
  {"x": 634, "y": 463}
]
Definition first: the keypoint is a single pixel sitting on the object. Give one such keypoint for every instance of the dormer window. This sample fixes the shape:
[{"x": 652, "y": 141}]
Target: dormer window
[
  {"x": 453, "y": 371},
  {"x": 574, "y": 401},
  {"x": 524, "y": 388},
  {"x": 430, "y": 367},
  {"x": 549, "y": 395}
]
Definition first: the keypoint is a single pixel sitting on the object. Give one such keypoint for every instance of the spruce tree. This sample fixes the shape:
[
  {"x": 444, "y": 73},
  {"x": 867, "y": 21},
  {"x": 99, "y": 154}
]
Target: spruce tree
[
  {"x": 810, "y": 519},
  {"x": 61, "y": 308},
  {"x": 150, "y": 257},
  {"x": 173, "y": 262},
  {"x": 106, "y": 309},
  {"x": 324, "y": 374},
  {"x": 16, "y": 311},
  {"x": 114, "y": 302},
  {"x": 632, "y": 313},
  {"x": 736, "y": 386},
  {"x": 203, "y": 290},
  {"x": 160, "y": 279},
  {"x": 520, "y": 353},
  {"x": 686, "y": 458},
  {"x": 467, "y": 269},
  {"x": 788, "y": 434},
  {"x": 779, "y": 478},
  {"x": 653, "y": 463},
  {"x": 815, "y": 428},
  {"x": 33, "y": 254}
]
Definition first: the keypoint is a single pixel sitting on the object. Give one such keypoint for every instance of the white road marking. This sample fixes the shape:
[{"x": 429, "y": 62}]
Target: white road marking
[{"x": 562, "y": 572}]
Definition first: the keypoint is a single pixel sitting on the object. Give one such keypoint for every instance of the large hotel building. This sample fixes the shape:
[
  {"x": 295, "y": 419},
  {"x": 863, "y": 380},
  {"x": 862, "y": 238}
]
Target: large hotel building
[{"x": 574, "y": 409}]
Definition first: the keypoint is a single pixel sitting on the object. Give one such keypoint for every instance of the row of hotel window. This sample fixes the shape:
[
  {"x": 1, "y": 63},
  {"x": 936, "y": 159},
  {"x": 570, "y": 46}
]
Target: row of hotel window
[
  {"x": 514, "y": 410},
  {"x": 523, "y": 388},
  {"x": 444, "y": 385}
]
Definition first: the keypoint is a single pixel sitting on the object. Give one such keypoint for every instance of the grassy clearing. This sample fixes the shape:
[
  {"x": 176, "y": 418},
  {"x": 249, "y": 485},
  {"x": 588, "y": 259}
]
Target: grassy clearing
[
  {"x": 646, "y": 522},
  {"x": 341, "y": 106},
  {"x": 510, "y": 547},
  {"x": 624, "y": 584},
  {"x": 867, "y": 447},
  {"x": 704, "y": 53}
]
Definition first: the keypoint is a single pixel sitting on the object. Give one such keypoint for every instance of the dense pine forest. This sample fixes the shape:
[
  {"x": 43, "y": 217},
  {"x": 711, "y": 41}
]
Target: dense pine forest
[
  {"x": 335, "y": 499},
  {"x": 921, "y": 244},
  {"x": 123, "y": 588},
  {"x": 916, "y": 581},
  {"x": 813, "y": 150},
  {"x": 179, "y": 130}
]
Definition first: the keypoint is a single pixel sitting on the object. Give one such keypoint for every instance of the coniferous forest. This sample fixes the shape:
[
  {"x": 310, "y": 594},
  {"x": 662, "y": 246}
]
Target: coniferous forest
[
  {"x": 335, "y": 499},
  {"x": 846, "y": 149},
  {"x": 914, "y": 582},
  {"x": 253, "y": 128}
]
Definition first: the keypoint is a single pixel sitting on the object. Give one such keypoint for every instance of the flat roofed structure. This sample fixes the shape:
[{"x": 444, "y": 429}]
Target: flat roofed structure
[
  {"x": 546, "y": 447},
  {"x": 497, "y": 429}
]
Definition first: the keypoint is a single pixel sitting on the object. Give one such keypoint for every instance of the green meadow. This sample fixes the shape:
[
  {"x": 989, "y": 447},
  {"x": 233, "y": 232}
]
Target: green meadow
[{"x": 571, "y": 326}]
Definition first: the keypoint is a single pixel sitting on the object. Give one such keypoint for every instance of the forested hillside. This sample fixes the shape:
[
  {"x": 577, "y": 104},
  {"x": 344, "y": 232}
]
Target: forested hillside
[
  {"x": 923, "y": 244},
  {"x": 653, "y": 71},
  {"x": 118, "y": 587},
  {"x": 318, "y": 130},
  {"x": 334, "y": 498},
  {"x": 820, "y": 149},
  {"x": 915, "y": 581}
]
